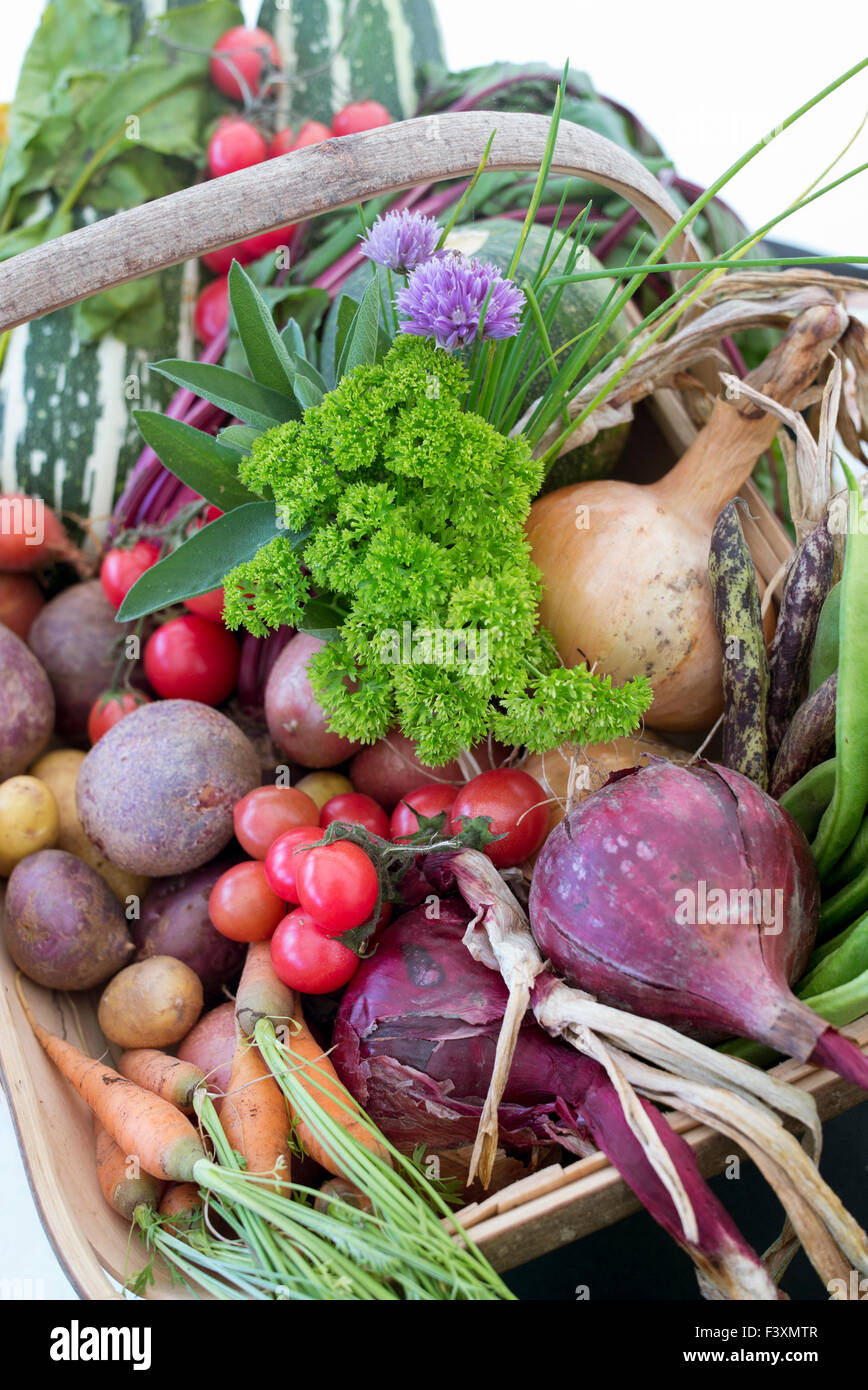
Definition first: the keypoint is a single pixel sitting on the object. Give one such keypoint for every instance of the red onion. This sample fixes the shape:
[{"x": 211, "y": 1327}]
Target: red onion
[
  {"x": 624, "y": 896},
  {"x": 415, "y": 1039}
]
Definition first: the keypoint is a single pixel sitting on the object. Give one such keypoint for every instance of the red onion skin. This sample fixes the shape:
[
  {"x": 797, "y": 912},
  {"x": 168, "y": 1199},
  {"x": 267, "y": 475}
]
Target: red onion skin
[
  {"x": 414, "y": 1041},
  {"x": 603, "y": 904}
]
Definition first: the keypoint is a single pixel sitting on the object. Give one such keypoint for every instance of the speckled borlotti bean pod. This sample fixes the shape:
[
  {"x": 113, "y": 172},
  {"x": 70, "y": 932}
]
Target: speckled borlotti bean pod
[
  {"x": 805, "y": 590},
  {"x": 745, "y": 671},
  {"x": 809, "y": 738}
]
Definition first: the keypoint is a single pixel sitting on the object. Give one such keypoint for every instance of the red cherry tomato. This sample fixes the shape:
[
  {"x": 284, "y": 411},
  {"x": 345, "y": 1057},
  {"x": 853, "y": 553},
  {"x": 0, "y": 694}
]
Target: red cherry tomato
[
  {"x": 337, "y": 884},
  {"x": 251, "y": 249},
  {"x": 268, "y": 812},
  {"x": 516, "y": 805},
  {"x": 189, "y": 658},
  {"x": 243, "y": 52},
  {"x": 211, "y": 314},
  {"x": 235, "y": 144},
  {"x": 382, "y": 922},
  {"x": 208, "y": 605},
  {"x": 311, "y": 133},
  {"x": 281, "y": 142},
  {"x": 284, "y": 857},
  {"x": 307, "y": 960},
  {"x": 110, "y": 708},
  {"x": 359, "y": 116},
  {"x": 121, "y": 568},
  {"x": 242, "y": 905},
  {"x": 354, "y": 808},
  {"x": 429, "y": 800},
  {"x": 21, "y": 601},
  {"x": 30, "y": 533}
]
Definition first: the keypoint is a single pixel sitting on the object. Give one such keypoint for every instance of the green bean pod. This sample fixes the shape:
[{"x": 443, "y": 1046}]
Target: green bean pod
[
  {"x": 738, "y": 616},
  {"x": 847, "y": 958},
  {"x": 844, "y": 1004},
  {"x": 843, "y": 816},
  {"x": 808, "y": 741},
  {"x": 852, "y": 864},
  {"x": 805, "y": 591},
  {"x": 808, "y": 798},
  {"x": 824, "y": 657},
  {"x": 847, "y": 903}
]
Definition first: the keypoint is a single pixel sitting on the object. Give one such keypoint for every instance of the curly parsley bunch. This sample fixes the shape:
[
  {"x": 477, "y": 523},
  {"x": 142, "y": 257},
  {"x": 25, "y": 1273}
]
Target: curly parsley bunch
[{"x": 414, "y": 513}]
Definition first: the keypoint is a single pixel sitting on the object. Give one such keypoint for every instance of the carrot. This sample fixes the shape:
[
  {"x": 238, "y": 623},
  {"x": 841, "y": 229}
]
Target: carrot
[
  {"x": 122, "y": 1181},
  {"x": 254, "y": 1114},
  {"x": 182, "y": 1199},
  {"x": 166, "y": 1076},
  {"x": 326, "y": 1089},
  {"x": 260, "y": 993},
  {"x": 163, "y": 1140}
]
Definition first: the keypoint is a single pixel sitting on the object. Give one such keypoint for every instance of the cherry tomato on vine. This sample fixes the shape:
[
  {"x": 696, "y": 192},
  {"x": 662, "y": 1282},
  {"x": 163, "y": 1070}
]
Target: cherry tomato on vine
[
  {"x": 355, "y": 808},
  {"x": 243, "y": 52},
  {"x": 429, "y": 800},
  {"x": 211, "y": 314},
  {"x": 208, "y": 605},
  {"x": 242, "y": 904},
  {"x": 337, "y": 884},
  {"x": 31, "y": 534},
  {"x": 189, "y": 658},
  {"x": 311, "y": 133},
  {"x": 284, "y": 857},
  {"x": 236, "y": 144},
  {"x": 281, "y": 142},
  {"x": 122, "y": 567},
  {"x": 266, "y": 813},
  {"x": 359, "y": 116},
  {"x": 307, "y": 960},
  {"x": 516, "y": 805},
  {"x": 110, "y": 708},
  {"x": 220, "y": 261}
]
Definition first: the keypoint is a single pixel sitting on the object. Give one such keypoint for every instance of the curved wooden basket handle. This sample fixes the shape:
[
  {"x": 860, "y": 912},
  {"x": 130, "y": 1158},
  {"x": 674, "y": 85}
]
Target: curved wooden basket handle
[{"x": 310, "y": 181}]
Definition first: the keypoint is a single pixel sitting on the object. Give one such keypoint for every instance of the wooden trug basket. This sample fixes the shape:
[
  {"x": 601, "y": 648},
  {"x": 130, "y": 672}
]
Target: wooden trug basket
[{"x": 556, "y": 1204}]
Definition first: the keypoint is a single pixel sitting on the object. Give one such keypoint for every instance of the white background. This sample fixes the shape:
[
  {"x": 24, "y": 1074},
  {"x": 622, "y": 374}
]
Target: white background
[{"x": 708, "y": 82}]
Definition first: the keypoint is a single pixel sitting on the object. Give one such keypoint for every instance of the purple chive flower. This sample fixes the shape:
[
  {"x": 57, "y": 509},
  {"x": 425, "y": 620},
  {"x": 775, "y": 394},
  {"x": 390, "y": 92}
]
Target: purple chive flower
[
  {"x": 401, "y": 240},
  {"x": 444, "y": 300}
]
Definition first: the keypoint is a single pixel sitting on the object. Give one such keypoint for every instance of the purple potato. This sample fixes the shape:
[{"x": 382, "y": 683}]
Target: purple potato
[
  {"x": 63, "y": 925},
  {"x": 156, "y": 793},
  {"x": 26, "y": 706},
  {"x": 175, "y": 922}
]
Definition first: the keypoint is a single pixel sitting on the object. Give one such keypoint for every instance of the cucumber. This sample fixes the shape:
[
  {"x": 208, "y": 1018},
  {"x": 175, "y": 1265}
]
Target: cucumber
[{"x": 381, "y": 55}]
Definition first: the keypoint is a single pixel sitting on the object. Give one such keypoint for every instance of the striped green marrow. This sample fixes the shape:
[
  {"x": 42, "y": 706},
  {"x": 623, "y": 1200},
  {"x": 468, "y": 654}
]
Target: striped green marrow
[
  {"x": 66, "y": 425},
  {"x": 330, "y": 62}
]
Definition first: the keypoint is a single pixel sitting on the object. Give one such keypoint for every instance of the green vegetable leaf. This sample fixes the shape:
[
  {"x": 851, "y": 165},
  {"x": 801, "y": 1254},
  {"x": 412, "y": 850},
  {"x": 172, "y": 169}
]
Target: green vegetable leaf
[
  {"x": 267, "y": 356},
  {"x": 322, "y": 618},
  {"x": 200, "y": 563},
  {"x": 307, "y": 393},
  {"x": 239, "y": 438},
  {"x": 193, "y": 456},
  {"x": 347, "y": 310},
  {"x": 362, "y": 340},
  {"x": 237, "y": 394}
]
